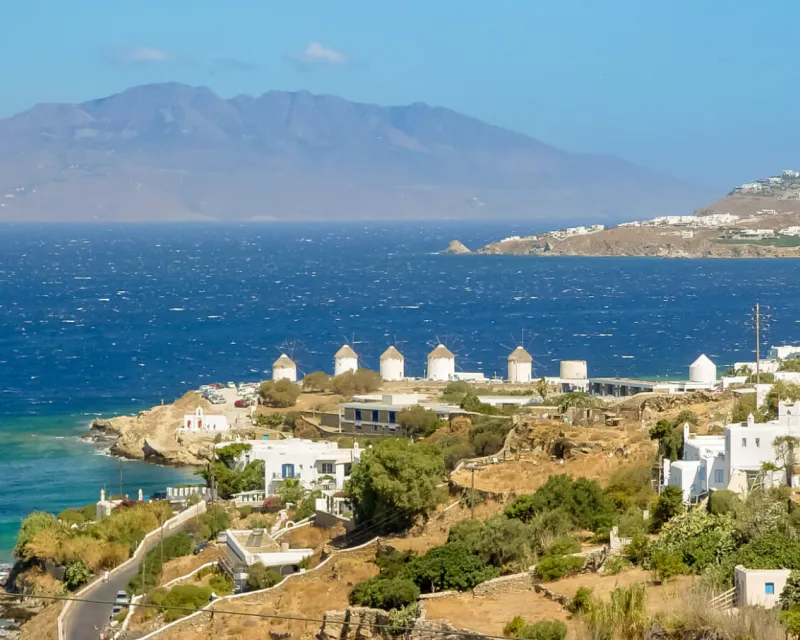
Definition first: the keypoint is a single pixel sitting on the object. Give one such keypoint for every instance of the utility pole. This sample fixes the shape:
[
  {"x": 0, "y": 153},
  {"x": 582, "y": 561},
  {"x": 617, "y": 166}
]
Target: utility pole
[
  {"x": 119, "y": 462},
  {"x": 161, "y": 518},
  {"x": 472, "y": 493},
  {"x": 758, "y": 343}
]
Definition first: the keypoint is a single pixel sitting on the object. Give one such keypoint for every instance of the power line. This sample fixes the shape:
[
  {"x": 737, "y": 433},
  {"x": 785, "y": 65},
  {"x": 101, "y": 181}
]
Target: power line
[{"x": 250, "y": 614}]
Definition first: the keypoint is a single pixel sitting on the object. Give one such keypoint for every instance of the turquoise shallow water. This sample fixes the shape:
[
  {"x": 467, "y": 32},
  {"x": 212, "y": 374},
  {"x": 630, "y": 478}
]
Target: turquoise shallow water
[
  {"x": 46, "y": 466},
  {"x": 106, "y": 320}
]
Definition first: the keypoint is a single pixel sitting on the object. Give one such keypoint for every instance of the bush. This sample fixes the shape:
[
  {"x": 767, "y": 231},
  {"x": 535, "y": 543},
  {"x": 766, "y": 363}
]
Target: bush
[
  {"x": 380, "y": 593},
  {"x": 563, "y": 546},
  {"x": 245, "y": 511},
  {"x": 585, "y": 502},
  {"x": 637, "y": 551},
  {"x": 669, "y": 504},
  {"x": 686, "y": 416},
  {"x": 722, "y": 502},
  {"x": 184, "y": 596},
  {"x": 616, "y": 565},
  {"x": 259, "y": 577},
  {"x": 514, "y": 627},
  {"x": 221, "y": 584},
  {"x": 418, "y": 421},
  {"x": 76, "y": 575},
  {"x": 448, "y": 567},
  {"x": 699, "y": 539},
  {"x": 544, "y": 630},
  {"x": 215, "y": 520},
  {"x": 630, "y": 486},
  {"x": 791, "y": 620},
  {"x": 352, "y": 382},
  {"x": 177, "y": 545},
  {"x": 666, "y": 565},
  {"x": 555, "y": 567},
  {"x": 581, "y": 602},
  {"x": 279, "y": 393},
  {"x": 316, "y": 381}
]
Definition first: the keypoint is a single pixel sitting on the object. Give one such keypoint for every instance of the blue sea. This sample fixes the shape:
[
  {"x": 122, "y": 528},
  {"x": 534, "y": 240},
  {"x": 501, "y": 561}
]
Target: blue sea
[{"x": 99, "y": 320}]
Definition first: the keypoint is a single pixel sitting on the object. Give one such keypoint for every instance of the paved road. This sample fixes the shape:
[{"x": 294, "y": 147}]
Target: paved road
[{"x": 85, "y": 621}]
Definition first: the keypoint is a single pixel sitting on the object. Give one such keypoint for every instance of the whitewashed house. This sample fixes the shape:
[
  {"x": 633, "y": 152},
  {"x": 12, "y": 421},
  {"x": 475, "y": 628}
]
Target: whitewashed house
[
  {"x": 319, "y": 464},
  {"x": 520, "y": 366},
  {"x": 344, "y": 360},
  {"x": 392, "y": 365},
  {"x": 199, "y": 421},
  {"x": 441, "y": 364},
  {"x": 734, "y": 460},
  {"x": 759, "y": 587},
  {"x": 284, "y": 368}
]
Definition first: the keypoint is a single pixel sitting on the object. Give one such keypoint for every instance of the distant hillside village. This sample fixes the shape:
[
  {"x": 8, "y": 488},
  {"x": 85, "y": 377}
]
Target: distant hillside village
[{"x": 784, "y": 187}]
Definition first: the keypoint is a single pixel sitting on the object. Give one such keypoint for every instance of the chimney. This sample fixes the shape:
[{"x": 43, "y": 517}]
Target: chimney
[
  {"x": 751, "y": 421},
  {"x": 102, "y": 495}
]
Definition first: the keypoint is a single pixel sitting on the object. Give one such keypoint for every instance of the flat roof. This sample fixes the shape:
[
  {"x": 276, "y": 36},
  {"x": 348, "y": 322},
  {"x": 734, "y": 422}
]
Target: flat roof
[{"x": 627, "y": 381}]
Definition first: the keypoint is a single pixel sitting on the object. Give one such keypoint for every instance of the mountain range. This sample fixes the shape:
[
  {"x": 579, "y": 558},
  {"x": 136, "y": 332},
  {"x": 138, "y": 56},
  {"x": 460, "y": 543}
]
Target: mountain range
[{"x": 171, "y": 152}]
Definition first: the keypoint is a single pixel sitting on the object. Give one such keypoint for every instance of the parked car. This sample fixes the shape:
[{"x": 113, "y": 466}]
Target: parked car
[
  {"x": 115, "y": 611},
  {"x": 241, "y": 404},
  {"x": 121, "y": 599},
  {"x": 200, "y": 548},
  {"x": 231, "y": 385}
]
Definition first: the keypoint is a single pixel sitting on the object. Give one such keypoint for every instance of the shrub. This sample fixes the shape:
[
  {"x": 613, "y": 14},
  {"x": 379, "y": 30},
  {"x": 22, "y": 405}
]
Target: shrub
[
  {"x": 544, "y": 630},
  {"x": 791, "y": 620},
  {"x": 279, "y": 393},
  {"x": 259, "y": 577},
  {"x": 76, "y": 575},
  {"x": 316, "y": 381},
  {"x": 686, "y": 416},
  {"x": 769, "y": 551},
  {"x": 669, "y": 504},
  {"x": 514, "y": 627},
  {"x": 418, "y": 421},
  {"x": 380, "y": 593},
  {"x": 448, "y": 567},
  {"x": 352, "y": 382},
  {"x": 581, "y": 602},
  {"x": 666, "y": 565},
  {"x": 699, "y": 538},
  {"x": 177, "y": 545},
  {"x": 245, "y": 511},
  {"x": 562, "y": 546},
  {"x": 184, "y": 596},
  {"x": 630, "y": 486},
  {"x": 722, "y": 502},
  {"x": 616, "y": 565},
  {"x": 555, "y": 567},
  {"x": 637, "y": 550},
  {"x": 221, "y": 584}
]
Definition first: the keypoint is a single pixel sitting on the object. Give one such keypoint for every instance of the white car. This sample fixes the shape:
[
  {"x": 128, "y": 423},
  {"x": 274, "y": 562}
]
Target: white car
[
  {"x": 121, "y": 599},
  {"x": 231, "y": 385}
]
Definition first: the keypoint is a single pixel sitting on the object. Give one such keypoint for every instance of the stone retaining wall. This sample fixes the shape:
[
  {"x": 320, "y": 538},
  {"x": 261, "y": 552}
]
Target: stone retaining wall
[{"x": 505, "y": 584}]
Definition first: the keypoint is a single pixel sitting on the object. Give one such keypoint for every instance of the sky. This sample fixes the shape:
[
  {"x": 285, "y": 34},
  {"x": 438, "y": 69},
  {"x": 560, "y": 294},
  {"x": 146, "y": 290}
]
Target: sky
[{"x": 704, "y": 90}]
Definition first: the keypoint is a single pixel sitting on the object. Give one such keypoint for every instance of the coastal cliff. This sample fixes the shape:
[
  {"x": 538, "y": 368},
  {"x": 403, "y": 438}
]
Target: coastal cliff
[
  {"x": 456, "y": 247},
  {"x": 153, "y": 435}
]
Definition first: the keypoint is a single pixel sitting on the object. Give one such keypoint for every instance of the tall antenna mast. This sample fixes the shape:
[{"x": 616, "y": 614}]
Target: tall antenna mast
[{"x": 758, "y": 343}]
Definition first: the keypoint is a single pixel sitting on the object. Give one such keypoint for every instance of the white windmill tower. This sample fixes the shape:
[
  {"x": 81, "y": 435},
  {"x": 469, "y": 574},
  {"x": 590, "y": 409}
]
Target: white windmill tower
[
  {"x": 344, "y": 360},
  {"x": 441, "y": 364},
  {"x": 284, "y": 368},
  {"x": 392, "y": 365},
  {"x": 520, "y": 366}
]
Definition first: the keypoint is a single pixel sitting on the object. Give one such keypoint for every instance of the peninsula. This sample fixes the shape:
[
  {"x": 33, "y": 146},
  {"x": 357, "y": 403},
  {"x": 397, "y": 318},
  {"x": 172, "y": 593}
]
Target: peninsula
[{"x": 755, "y": 220}]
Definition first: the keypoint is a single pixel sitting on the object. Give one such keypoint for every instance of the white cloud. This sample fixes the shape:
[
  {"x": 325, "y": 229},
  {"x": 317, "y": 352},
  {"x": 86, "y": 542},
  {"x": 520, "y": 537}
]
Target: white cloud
[
  {"x": 315, "y": 53},
  {"x": 147, "y": 55}
]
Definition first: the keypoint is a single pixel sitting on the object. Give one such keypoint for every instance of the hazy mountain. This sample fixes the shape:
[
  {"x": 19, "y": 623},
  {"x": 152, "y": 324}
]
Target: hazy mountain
[{"x": 174, "y": 152}]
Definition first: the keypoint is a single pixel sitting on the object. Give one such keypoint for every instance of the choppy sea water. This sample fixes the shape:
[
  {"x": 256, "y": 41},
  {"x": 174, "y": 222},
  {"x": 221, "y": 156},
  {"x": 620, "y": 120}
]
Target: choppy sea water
[{"x": 103, "y": 320}]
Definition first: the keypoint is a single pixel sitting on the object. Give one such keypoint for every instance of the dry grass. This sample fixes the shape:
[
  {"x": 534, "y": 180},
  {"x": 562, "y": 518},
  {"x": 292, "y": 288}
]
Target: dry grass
[
  {"x": 311, "y": 537},
  {"x": 310, "y": 595},
  {"x": 490, "y": 614},
  {"x": 186, "y": 564},
  {"x": 43, "y": 626}
]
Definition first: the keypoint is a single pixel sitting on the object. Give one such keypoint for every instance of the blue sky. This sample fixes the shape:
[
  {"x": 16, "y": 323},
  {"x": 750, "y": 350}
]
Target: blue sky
[{"x": 705, "y": 90}]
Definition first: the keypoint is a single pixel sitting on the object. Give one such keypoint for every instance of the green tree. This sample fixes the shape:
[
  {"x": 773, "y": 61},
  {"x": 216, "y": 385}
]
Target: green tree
[
  {"x": 790, "y": 596},
  {"x": 791, "y": 620},
  {"x": 316, "y": 381},
  {"x": 290, "y": 490},
  {"x": 784, "y": 447},
  {"x": 259, "y": 577},
  {"x": 723, "y": 502},
  {"x": 576, "y": 399},
  {"x": 686, "y": 416},
  {"x": 279, "y": 393},
  {"x": 418, "y": 421},
  {"x": 669, "y": 504},
  {"x": 666, "y": 565},
  {"x": 394, "y": 482},
  {"x": 32, "y": 525},
  {"x": 76, "y": 575},
  {"x": 670, "y": 439},
  {"x": 448, "y": 567},
  {"x": 779, "y": 392},
  {"x": 792, "y": 364},
  {"x": 352, "y": 382},
  {"x": 382, "y": 593},
  {"x": 229, "y": 454}
]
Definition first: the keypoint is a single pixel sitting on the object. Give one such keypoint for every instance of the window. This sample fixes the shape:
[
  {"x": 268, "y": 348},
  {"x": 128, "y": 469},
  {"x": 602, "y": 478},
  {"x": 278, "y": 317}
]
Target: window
[
  {"x": 392, "y": 417},
  {"x": 769, "y": 588},
  {"x": 358, "y": 414},
  {"x": 358, "y": 427},
  {"x": 758, "y": 442},
  {"x": 375, "y": 427},
  {"x": 718, "y": 476},
  {"x": 327, "y": 467},
  {"x": 375, "y": 417},
  {"x": 348, "y": 467},
  {"x": 744, "y": 442},
  {"x": 287, "y": 471}
]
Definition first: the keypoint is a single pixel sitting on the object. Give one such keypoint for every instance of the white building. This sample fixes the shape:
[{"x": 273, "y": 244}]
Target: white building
[
  {"x": 733, "y": 460},
  {"x": 750, "y": 187},
  {"x": 759, "y": 587},
  {"x": 520, "y": 366},
  {"x": 703, "y": 370},
  {"x": 784, "y": 352},
  {"x": 344, "y": 360},
  {"x": 441, "y": 364},
  {"x": 284, "y": 368},
  {"x": 392, "y": 365},
  {"x": 319, "y": 464},
  {"x": 199, "y": 421},
  {"x": 244, "y": 548}
]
